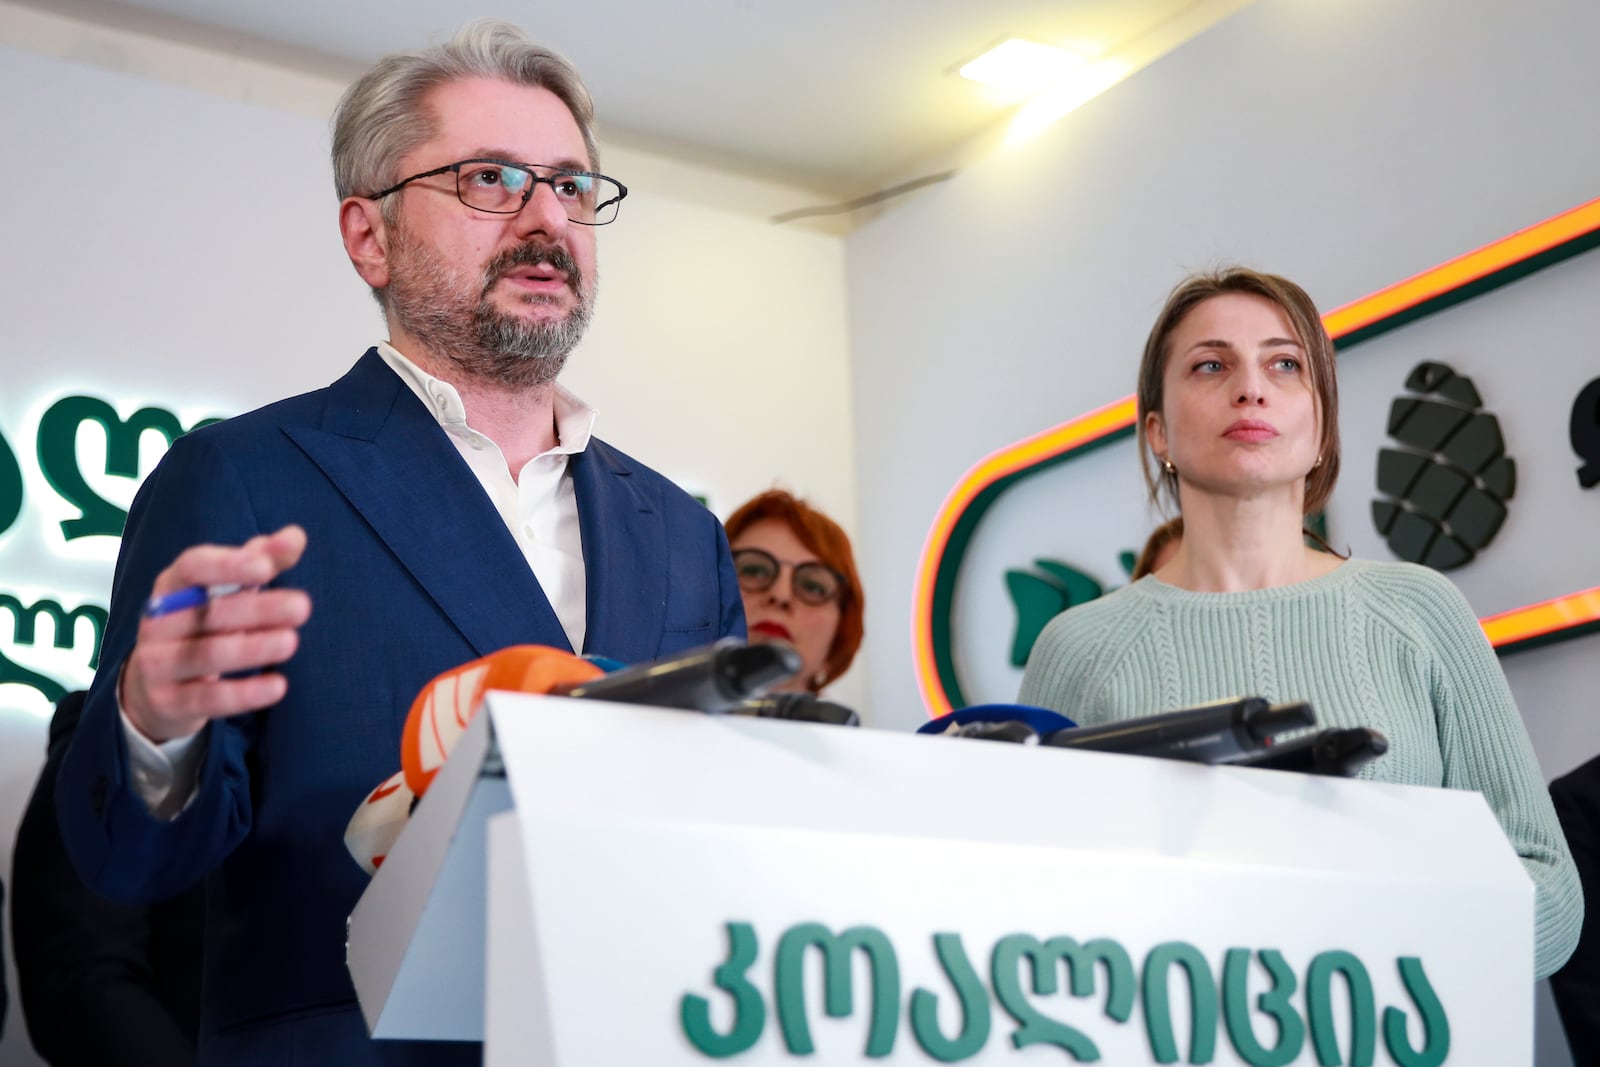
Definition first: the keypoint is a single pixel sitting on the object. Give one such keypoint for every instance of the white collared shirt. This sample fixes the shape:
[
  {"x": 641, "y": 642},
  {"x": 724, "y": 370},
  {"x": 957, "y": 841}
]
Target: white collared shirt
[{"x": 539, "y": 508}]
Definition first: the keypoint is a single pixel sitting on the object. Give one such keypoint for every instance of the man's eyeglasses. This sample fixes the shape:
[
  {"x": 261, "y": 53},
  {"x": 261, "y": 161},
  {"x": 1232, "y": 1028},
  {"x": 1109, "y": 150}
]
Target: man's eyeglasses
[
  {"x": 813, "y": 583},
  {"x": 502, "y": 188}
]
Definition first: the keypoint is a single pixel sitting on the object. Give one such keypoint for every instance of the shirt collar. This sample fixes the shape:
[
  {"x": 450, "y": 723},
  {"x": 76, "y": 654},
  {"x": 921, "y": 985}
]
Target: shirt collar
[{"x": 574, "y": 418}]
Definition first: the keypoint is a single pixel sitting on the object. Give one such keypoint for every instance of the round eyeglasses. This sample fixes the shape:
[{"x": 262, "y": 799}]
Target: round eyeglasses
[
  {"x": 502, "y": 188},
  {"x": 813, "y": 583}
]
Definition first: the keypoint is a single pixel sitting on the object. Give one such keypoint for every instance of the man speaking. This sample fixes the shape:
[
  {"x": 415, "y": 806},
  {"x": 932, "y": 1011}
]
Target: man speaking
[{"x": 290, "y": 579}]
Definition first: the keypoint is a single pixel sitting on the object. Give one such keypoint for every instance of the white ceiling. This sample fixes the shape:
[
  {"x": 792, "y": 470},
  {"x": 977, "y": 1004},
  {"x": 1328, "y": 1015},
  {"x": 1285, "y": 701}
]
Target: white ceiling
[{"x": 839, "y": 96}]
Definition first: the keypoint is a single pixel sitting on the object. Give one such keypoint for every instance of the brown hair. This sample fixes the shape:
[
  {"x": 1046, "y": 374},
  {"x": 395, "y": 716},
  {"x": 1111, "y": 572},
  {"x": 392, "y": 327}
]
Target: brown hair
[
  {"x": 828, "y": 540},
  {"x": 1307, "y": 324},
  {"x": 1167, "y": 533}
]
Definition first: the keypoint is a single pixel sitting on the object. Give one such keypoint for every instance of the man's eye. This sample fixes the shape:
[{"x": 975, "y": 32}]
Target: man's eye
[
  {"x": 508, "y": 178},
  {"x": 573, "y": 187}
]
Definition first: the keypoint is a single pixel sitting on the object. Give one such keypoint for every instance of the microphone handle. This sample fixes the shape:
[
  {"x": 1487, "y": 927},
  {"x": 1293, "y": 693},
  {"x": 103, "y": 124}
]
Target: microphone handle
[
  {"x": 1220, "y": 732},
  {"x": 1337, "y": 753},
  {"x": 713, "y": 679},
  {"x": 798, "y": 707},
  {"x": 1014, "y": 731}
]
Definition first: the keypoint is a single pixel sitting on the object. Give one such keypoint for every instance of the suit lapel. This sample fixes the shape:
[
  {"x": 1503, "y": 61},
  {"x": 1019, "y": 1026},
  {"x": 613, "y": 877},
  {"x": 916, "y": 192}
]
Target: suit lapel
[
  {"x": 396, "y": 466},
  {"x": 624, "y": 556}
]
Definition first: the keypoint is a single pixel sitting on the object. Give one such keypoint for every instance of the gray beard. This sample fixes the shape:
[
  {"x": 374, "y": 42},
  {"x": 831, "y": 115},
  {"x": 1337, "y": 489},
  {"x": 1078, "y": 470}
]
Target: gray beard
[{"x": 452, "y": 316}]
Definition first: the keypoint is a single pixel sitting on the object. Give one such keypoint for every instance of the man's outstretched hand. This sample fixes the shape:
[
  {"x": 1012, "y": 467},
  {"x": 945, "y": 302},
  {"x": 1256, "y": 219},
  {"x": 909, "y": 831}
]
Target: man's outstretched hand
[{"x": 174, "y": 681}]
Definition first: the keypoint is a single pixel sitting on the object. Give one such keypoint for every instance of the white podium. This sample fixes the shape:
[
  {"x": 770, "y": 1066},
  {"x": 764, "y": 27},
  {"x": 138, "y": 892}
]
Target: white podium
[{"x": 669, "y": 888}]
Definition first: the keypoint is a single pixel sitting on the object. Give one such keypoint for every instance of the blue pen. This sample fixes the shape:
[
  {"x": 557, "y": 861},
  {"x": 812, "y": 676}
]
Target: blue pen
[{"x": 184, "y": 599}]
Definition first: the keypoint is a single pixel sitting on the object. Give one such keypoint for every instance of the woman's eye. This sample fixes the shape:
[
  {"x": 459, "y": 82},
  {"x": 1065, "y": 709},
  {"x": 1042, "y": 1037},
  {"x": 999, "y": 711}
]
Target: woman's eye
[
  {"x": 1208, "y": 366},
  {"x": 1288, "y": 363}
]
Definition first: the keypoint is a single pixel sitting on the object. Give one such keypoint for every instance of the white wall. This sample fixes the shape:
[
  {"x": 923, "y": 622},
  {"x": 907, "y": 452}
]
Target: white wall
[
  {"x": 1347, "y": 145},
  {"x": 171, "y": 239}
]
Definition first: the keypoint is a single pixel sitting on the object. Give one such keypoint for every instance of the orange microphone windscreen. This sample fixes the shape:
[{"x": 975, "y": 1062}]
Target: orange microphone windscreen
[{"x": 444, "y": 707}]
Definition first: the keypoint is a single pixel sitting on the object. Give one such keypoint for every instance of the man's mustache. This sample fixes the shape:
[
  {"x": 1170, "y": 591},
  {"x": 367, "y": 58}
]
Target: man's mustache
[{"x": 532, "y": 255}]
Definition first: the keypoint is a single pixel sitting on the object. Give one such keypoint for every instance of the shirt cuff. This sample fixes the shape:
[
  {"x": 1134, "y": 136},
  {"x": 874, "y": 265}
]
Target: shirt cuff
[{"x": 165, "y": 776}]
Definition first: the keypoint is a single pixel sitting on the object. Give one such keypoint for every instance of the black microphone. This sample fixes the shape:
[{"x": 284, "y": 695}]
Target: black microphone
[
  {"x": 1013, "y": 730},
  {"x": 798, "y": 707},
  {"x": 716, "y": 678},
  {"x": 1336, "y": 753},
  {"x": 1219, "y": 732}
]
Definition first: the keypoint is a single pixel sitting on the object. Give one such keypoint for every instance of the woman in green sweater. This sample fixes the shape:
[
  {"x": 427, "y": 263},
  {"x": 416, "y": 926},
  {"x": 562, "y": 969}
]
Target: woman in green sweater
[{"x": 1238, "y": 426}]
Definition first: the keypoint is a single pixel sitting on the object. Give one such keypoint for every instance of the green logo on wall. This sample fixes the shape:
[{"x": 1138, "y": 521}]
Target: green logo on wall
[
  {"x": 56, "y": 449},
  {"x": 1585, "y": 433},
  {"x": 1043, "y": 593},
  {"x": 10, "y": 486},
  {"x": 1447, "y": 483},
  {"x": 58, "y": 457}
]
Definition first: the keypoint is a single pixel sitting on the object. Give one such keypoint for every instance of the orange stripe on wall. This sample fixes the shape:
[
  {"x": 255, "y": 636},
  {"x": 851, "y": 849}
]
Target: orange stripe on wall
[
  {"x": 1463, "y": 270},
  {"x": 1028, "y": 452},
  {"x": 1536, "y": 620}
]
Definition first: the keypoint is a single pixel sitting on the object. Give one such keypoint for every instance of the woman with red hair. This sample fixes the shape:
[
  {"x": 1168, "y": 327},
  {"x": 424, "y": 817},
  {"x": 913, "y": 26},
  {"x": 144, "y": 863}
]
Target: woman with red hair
[{"x": 799, "y": 582}]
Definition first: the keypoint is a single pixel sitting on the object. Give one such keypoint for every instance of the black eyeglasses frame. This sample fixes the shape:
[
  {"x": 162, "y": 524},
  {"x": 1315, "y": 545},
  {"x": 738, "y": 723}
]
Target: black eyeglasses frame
[
  {"x": 534, "y": 183},
  {"x": 840, "y": 588}
]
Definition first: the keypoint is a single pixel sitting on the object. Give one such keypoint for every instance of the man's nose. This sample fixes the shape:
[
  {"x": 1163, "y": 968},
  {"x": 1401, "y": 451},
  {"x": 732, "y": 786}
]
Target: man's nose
[{"x": 542, "y": 213}]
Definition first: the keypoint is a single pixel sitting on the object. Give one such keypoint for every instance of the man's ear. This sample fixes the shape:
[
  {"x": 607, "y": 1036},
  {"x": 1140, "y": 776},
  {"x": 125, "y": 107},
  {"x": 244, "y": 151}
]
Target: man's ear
[{"x": 366, "y": 239}]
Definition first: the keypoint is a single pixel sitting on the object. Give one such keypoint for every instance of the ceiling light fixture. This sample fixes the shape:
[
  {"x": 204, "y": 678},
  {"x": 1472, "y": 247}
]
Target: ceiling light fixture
[
  {"x": 1045, "y": 108},
  {"x": 1019, "y": 67}
]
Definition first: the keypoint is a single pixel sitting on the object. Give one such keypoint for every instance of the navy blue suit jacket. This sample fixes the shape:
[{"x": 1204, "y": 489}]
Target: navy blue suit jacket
[{"x": 411, "y": 571}]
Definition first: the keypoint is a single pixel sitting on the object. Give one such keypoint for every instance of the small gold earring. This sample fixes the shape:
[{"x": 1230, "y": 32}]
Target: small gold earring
[
  {"x": 1317, "y": 464},
  {"x": 1166, "y": 465}
]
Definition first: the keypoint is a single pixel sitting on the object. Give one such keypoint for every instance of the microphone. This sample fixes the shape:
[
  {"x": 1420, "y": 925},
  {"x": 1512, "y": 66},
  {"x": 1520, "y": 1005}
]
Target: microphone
[
  {"x": 1015, "y": 731},
  {"x": 798, "y": 707},
  {"x": 984, "y": 721},
  {"x": 1219, "y": 732},
  {"x": 446, "y": 705},
  {"x": 710, "y": 679},
  {"x": 714, "y": 679},
  {"x": 1335, "y": 753}
]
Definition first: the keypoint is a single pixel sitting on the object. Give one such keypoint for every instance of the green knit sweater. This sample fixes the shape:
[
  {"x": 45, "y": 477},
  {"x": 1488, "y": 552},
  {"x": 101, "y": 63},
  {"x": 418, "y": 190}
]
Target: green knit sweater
[{"x": 1392, "y": 646}]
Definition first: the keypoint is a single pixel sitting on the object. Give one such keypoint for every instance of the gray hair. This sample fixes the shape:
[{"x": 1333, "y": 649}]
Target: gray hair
[{"x": 381, "y": 116}]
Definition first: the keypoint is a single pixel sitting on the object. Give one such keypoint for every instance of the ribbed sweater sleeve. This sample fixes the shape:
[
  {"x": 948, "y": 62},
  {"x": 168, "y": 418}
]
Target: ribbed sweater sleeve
[
  {"x": 1486, "y": 747},
  {"x": 1387, "y": 645}
]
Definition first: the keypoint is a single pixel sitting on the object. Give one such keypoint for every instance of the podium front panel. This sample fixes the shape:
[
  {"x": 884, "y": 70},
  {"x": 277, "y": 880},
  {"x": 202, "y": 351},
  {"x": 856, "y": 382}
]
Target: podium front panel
[{"x": 711, "y": 888}]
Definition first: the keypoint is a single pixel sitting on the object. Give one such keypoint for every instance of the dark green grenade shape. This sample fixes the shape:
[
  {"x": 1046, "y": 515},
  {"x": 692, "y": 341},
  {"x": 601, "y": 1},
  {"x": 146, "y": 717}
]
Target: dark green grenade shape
[{"x": 1446, "y": 484}]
